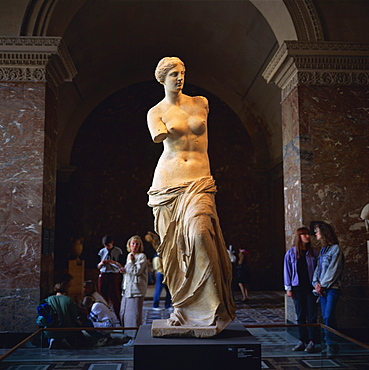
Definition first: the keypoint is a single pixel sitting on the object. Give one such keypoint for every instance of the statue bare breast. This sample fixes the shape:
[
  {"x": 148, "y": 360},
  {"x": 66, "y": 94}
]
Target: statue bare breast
[{"x": 185, "y": 144}]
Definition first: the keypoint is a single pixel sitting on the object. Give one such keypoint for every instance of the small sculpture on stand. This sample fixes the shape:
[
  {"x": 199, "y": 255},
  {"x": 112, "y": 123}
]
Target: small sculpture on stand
[
  {"x": 76, "y": 267},
  {"x": 77, "y": 249}
]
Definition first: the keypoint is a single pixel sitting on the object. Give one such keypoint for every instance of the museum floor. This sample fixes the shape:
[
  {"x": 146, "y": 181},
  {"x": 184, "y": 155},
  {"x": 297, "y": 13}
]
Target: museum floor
[{"x": 262, "y": 314}]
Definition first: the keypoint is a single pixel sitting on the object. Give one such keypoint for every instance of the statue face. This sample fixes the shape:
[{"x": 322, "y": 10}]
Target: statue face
[{"x": 174, "y": 80}]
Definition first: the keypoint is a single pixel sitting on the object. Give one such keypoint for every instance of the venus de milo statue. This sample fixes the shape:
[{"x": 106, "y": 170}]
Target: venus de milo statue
[{"x": 196, "y": 264}]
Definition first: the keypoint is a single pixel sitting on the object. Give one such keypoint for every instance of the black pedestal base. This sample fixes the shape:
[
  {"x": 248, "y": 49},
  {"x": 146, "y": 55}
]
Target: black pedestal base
[{"x": 233, "y": 348}]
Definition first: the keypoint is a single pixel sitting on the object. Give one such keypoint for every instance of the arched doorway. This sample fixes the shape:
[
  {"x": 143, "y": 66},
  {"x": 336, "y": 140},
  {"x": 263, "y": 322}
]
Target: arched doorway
[
  {"x": 114, "y": 159},
  {"x": 225, "y": 50}
]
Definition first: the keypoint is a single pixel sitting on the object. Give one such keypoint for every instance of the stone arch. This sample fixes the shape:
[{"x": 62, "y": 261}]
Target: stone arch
[
  {"x": 236, "y": 79},
  {"x": 300, "y": 18},
  {"x": 299, "y": 21},
  {"x": 41, "y": 17}
]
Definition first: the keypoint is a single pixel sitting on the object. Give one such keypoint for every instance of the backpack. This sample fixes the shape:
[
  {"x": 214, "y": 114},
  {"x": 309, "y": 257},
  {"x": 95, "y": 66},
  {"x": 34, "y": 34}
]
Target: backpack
[{"x": 46, "y": 315}]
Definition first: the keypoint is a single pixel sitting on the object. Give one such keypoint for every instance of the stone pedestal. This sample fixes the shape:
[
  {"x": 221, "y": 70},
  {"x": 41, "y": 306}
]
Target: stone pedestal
[
  {"x": 77, "y": 269},
  {"x": 233, "y": 348}
]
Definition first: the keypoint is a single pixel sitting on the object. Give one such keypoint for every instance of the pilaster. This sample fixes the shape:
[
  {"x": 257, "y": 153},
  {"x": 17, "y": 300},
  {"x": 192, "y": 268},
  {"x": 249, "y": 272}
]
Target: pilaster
[
  {"x": 31, "y": 69},
  {"x": 325, "y": 118}
]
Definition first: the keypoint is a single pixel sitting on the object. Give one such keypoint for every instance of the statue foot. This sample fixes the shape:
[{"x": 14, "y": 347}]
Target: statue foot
[{"x": 173, "y": 322}]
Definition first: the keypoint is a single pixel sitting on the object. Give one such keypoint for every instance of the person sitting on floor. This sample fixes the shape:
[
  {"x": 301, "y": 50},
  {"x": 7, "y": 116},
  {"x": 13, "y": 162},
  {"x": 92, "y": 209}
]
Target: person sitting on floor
[
  {"x": 89, "y": 289},
  {"x": 100, "y": 315},
  {"x": 67, "y": 313}
]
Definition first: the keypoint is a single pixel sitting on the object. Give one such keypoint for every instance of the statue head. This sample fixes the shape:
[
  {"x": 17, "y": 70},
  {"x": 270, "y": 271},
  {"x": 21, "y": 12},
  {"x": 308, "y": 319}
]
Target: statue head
[{"x": 165, "y": 65}]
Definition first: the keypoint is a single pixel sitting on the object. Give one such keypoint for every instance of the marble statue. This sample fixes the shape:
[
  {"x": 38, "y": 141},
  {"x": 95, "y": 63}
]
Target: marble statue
[
  {"x": 77, "y": 247},
  {"x": 196, "y": 265}
]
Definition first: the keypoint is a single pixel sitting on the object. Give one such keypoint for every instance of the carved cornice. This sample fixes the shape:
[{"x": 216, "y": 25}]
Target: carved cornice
[
  {"x": 318, "y": 63},
  {"x": 36, "y": 59}
]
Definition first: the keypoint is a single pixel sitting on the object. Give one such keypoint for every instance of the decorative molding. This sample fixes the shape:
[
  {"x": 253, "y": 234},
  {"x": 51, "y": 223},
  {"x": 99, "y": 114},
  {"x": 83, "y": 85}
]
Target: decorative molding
[
  {"x": 318, "y": 63},
  {"x": 37, "y": 17},
  {"x": 330, "y": 47},
  {"x": 27, "y": 16},
  {"x": 22, "y": 74},
  {"x": 36, "y": 59},
  {"x": 13, "y": 42},
  {"x": 317, "y": 27},
  {"x": 305, "y": 19}
]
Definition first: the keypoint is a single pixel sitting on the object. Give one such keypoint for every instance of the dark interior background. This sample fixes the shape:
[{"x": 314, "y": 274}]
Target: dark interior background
[{"x": 115, "y": 157}]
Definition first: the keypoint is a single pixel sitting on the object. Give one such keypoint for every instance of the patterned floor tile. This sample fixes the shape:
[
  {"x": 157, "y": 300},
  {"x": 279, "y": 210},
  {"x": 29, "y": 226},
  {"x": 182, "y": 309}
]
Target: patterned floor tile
[{"x": 262, "y": 308}]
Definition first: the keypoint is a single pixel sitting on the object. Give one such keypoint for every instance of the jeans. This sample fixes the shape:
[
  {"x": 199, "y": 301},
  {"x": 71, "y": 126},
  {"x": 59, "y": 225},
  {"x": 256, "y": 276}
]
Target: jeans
[
  {"x": 158, "y": 288},
  {"x": 306, "y": 313},
  {"x": 328, "y": 304}
]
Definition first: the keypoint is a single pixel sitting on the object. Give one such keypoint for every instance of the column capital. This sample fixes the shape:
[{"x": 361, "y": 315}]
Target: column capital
[
  {"x": 35, "y": 59},
  {"x": 318, "y": 63}
]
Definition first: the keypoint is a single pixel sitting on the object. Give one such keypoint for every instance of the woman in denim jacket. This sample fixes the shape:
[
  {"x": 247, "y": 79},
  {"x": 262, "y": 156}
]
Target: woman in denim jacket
[
  {"x": 299, "y": 266},
  {"x": 327, "y": 279}
]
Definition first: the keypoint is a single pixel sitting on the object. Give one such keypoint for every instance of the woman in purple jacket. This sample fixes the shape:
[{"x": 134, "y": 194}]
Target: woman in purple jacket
[{"x": 299, "y": 265}]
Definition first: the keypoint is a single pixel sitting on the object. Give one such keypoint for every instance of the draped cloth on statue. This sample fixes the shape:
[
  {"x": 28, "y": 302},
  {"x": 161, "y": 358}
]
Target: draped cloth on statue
[{"x": 197, "y": 268}]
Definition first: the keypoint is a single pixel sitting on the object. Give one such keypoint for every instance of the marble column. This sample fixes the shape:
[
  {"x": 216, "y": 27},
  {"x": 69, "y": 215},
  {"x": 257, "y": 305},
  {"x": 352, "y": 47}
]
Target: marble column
[
  {"x": 325, "y": 123},
  {"x": 31, "y": 68}
]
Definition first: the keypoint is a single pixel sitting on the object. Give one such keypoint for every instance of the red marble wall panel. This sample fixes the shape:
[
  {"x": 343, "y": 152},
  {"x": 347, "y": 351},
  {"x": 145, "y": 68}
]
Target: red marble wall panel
[
  {"x": 20, "y": 258},
  {"x": 22, "y": 120},
  {"x": 291, "y": 167},
  {"x": 326, "y": 177},
  {"x": 335, "y": 123},
  {"x": 49, "y": 176},
  {"x": 49, "y": 194},
  {"x": 21, "y": 158},
  {"x": 22, "y": 126}
]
